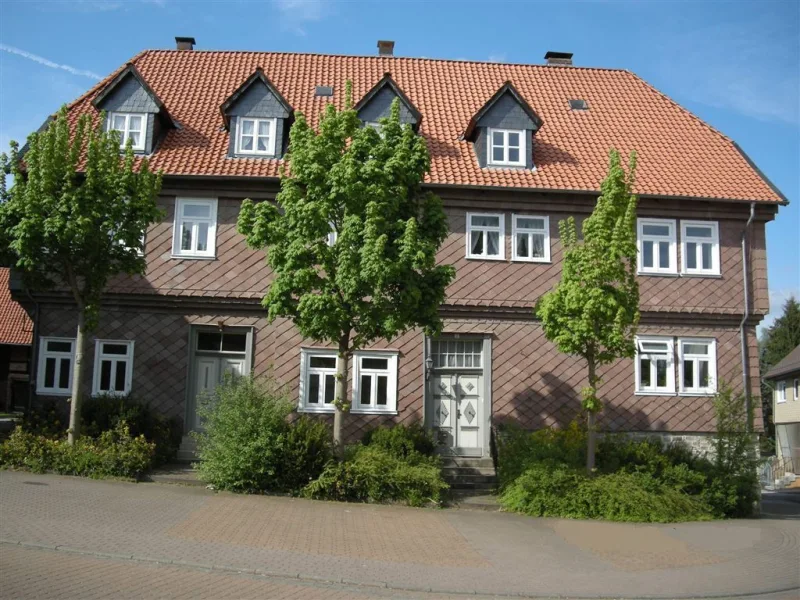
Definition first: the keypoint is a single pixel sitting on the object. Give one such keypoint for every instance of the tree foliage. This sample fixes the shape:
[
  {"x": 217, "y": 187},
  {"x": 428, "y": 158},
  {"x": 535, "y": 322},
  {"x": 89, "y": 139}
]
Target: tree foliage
[
  {"x": 75, "y": 216},
  {"x": 593, "y": 312},
  {"x": 363, "y": 189}
]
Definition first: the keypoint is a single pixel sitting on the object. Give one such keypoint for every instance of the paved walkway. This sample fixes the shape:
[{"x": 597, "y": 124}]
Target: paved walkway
[{"x": 160, "y": 540}]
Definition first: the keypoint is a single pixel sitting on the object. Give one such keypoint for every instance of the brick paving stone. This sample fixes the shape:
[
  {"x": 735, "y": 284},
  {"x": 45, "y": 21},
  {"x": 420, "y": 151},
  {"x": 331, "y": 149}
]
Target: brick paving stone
[{"x": 448, "y": 551}]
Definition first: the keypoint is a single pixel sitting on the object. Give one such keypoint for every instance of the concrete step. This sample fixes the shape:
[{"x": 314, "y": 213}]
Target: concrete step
[
  {"x": 473, "y": 479},
  {"x": 463, "y": 471},
  {"x": 177, "y": 473},
  {"x": 474, "y": 501},
  {"x": 484, "y": 487},
  {"x": 187, "y": 451},
  {"x": 462, "y": 461}
]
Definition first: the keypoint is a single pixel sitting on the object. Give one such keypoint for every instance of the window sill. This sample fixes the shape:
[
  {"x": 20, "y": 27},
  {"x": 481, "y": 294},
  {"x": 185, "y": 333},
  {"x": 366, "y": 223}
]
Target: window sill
[
  {"x": 191, "y": 257},
  {"x": 533, "y": 260},
  {"x": 42, "y": 392},
  {"x": 495, "y": 258},
  {"x": 703, "y": 275},
  {"x": 657, "y": 274},
  {"x": 508, "y": 166},
  {"x": 373, "y": 412},
  {"x": 314, "y": 410},
  {"x": 664, "y": 393},
  {"x": 110, "y": 394},
  {"x": 697, "y": 394}
]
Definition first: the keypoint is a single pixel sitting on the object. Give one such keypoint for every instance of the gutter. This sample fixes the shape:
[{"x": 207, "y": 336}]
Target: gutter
[
  {"x": 34, "y": 369},
  {"x": 742, "y": 334}
]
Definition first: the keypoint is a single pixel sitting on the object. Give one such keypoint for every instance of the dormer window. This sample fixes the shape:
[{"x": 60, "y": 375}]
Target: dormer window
[
  {"x": 256, "y": 136},
  {"x": 507, "y": 147},
  {"x": 377, "y": 104},
  {"x": 130, "y": 127}
]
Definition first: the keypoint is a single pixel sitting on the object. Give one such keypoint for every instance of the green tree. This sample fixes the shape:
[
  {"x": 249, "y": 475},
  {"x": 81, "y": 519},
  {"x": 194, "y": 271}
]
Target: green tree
[
  {"x": 353, "y": 238},
  {"x": 593, "y": 311},
  {"x": 775, "y": 344},
  {"x": 74, "y": 217}
]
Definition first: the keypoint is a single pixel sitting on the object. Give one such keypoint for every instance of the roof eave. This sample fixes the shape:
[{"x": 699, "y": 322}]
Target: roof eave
[{"x": 130, "y": 69}]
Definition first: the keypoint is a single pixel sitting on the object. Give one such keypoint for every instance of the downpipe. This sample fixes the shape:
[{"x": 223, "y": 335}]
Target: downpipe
[{"x": 742, "y": 334}]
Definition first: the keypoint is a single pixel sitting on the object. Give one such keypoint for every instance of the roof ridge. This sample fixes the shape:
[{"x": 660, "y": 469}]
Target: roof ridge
[{"x": 379, "y": 57}]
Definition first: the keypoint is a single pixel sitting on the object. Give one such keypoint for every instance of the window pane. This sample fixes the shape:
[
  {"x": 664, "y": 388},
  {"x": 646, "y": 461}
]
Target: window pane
[
  {"x": 323, "y": 362},
  {"x": 59, "y": 346},
  {"x": 477, "y": 242},
  {"x": 528, "y": 223},
  {"x": 497, "y": 154},
  {"x": 654, "y": 346},
  {"x": 701, "y": 349},
  {"x": 247, "y": 142},
  {"x": 263, "y": 127},
  {"x": 186, "y": 235},
  {"x": 119, "y": 379},
  {"x": 522, "y": 245},
  {"x": 375, "y": 363},
  {"x": 313, "y": 388},
  {"x": 105, "y": 376},
  {"x": 492, "y": 243},
  {"x": 262, "y": 144},
  {"x": 513, "y": 139},
  {"x": 121, "y": 349},
  {"x": 202, "y": 211},
  {"x": 663, "y": 255},
  {"x": 644, "y": 372},
  {"x": 702, "y": 232},
  {"x": 135, "y": 123},
  {"x": 330, "y": 388},
  {"x": 485, "y": 221},
  {"x": 247, "y": 126},
  {"x": 702, "y": 367},
  {"x": 660, "y": 230},
  {"x": 382, "y": 393},
  {"x": 135, "y": 137},
  {"x": 49, "y": 372},
  {"x": 513, "y": 155},
  {"x": 706, "y": 256},
  {"x": 208, "y": 340},
  {"x": 234, "y": 342},
  {"x": 118, "y": 122},
  {"x": 647, "y": 254},
  {"x": 537, "y": 245},
  {"x": 691, "y": 255},
  {"x": 661, "y": 373},
  {"x": 63, "y": 373},
  {"x": 366, "y": 389},
  {"x": 688, "y": 374},
  {"x": 497, "y": 140},
  {"x": 202, "y": 237}
]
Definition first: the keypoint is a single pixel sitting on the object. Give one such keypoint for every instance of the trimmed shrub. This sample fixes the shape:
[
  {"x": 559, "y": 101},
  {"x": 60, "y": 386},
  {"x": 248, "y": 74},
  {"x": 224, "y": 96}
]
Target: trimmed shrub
[
  {"x": 373, "y": 474},
  {"x": 249, "y": 445},
  {"x": 115, "y": 453},
  {"x": 409, "y": 442}
]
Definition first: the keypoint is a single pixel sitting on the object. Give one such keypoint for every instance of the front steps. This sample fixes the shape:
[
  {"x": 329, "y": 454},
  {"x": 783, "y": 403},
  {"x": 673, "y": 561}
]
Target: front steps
[
  {"x": 469, "y": 476},
  {"x": 187, "y": 451}
]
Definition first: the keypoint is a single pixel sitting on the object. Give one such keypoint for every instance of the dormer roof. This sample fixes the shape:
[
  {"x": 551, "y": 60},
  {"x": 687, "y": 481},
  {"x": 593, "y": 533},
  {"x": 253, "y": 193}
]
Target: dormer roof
[
  {"x": 506, "y": 88},
  {"x": 387, "y": 82},
  {"x": 131, "y": 71},
  {"x": 257, "y": 76}
]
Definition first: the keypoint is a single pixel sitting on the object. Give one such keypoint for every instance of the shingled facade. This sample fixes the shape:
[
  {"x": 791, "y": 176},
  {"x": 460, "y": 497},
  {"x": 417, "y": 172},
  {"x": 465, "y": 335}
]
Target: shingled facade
[{"x": 510, "y": 157}]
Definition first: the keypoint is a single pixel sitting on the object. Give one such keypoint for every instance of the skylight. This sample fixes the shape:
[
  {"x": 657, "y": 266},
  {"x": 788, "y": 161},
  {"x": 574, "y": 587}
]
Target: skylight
[{"x": 578, "y": 105}]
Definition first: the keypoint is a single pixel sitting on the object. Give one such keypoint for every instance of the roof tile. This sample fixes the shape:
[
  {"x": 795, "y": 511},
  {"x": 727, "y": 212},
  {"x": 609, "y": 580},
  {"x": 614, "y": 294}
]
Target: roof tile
[{"x": 15, "y": 325}]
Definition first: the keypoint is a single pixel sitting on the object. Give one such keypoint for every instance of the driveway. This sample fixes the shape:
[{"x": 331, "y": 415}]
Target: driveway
[{"x": 72, "y": 537}]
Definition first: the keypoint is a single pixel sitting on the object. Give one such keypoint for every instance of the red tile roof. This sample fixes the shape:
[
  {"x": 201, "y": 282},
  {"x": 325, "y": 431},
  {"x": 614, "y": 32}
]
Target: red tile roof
[
  {"x": 15, "y": 326},
  {"x": 679, "y": 155}
]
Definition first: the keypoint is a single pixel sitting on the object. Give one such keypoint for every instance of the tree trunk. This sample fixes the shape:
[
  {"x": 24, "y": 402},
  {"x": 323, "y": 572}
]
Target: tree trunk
[
  {"x": 591, "y": 440},
  {"x": 74, "y": 432},
  {"x": 342, "y": 368}
]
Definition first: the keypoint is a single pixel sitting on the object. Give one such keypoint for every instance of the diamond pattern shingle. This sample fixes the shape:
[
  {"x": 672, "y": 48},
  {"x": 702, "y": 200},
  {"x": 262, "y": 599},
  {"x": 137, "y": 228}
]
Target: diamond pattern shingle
[
  {"x": 679, "y": 155},
  {"x": 15, "y": 325}
]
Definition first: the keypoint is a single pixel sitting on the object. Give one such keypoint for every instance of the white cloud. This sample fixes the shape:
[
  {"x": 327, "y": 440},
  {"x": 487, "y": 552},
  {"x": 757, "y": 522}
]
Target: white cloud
[
  {"x": 297, "y": 12},
  {"x": 49, "y": 63}
]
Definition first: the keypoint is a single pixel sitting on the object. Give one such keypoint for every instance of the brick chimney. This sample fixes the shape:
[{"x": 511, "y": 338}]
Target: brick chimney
[
  {"x": 561, "y": 59},
  {"x": 184, "y": 43},
  {"x": 385, "y": 47}
]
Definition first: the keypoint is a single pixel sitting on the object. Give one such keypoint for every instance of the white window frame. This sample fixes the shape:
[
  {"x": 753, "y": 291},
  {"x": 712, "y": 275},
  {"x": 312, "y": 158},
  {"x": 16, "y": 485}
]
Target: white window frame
[
  {"x": 177, "y": 227},
  {"x": 333, "y": 235},
  {"x": 780, "y": 391},
  {"x": 796, "y": 388},
  {"x": 713, "y": 240},
  {"x": 673, "y": 247},
  {"x": 270, "y": 151},
  {"x": 391, "y": 388},
  {"x": 125, "y": 133},
  {"x": 505, "y": 162},
  {"x": 515, "y": 230},
  {"x": 306, "y": 371},
  {"x": 501, "y": 241},
  {"x": 712, "y": 366},
  {"x": 99, "y": 357},
  {"x": 44, "y": 354},
  {"x": 669, "y": 389}
]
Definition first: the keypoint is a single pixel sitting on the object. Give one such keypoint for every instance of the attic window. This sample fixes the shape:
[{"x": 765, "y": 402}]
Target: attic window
[
  {"x": 323, "y": 90},
  {"x": 578, "y": 105}
]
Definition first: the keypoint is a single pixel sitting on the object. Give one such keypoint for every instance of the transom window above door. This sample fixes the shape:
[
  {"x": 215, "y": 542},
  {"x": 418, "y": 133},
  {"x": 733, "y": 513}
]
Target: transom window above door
[
  {"x": 506, "y": 147},
  {"x": 221, "y": 341},
  {"x": 256, "y": 136},
  {"x": 113, "y": 367},
  {"x": 195, "y": 229},
  {"x": 375, "y": 383},
  {"x": 655, "y": 370},
  {"x": 447, "y": 354},
  {"x": 486, "y": 236},
  {"x": 657, "y": 246},
  {"x": 700, "y": 247},
  {"x": 131, "y": 127},
  {"x": 530, "y": 238}
]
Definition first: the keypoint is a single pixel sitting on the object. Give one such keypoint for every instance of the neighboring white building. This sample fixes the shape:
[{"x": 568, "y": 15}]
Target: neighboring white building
[{"x": 785, "y": 377}]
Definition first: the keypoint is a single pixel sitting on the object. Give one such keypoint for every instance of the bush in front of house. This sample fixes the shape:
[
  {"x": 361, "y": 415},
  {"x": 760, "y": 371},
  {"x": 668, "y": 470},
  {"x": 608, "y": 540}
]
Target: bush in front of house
[
  {"x": 403, "y": 441},
  {"x": 374, "y": 474},
  {"x": 250, "y": 445},
  {"x": 114, "y": 453}
]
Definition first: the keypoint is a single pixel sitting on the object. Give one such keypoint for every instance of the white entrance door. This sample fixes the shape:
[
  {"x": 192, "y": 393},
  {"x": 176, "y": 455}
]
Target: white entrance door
[
  {"x": 206, "y": 382},
  {"x": 458, "y": 406}
]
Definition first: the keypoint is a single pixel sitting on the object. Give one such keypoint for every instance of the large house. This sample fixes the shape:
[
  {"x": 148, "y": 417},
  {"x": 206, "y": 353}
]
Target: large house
[{"x": 514, "y": 149}]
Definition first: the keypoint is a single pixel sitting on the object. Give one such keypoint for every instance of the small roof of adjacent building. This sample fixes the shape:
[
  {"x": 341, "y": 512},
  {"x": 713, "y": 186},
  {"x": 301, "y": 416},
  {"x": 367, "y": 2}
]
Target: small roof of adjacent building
[
  {"x": 789, "y": 365},
  {"x": 16, "y": 328}
]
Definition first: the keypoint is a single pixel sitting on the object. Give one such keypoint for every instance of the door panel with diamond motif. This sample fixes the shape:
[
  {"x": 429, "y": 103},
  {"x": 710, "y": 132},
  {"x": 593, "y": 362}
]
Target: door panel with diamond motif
[{"x": 457, "y": 412}]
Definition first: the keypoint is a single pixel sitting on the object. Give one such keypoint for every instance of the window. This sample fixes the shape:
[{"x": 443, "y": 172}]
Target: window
[
  {"x": 655, "y": 372},
  {"x": 698, "y": 366},
  {"x": 796, "y": 389},
  {"x": 530, "y": 238},
  {"x": 507, "y": 147},
  {"x": 317, "y": 380},
  {"x": 54, "y": 376},
  {"x": 256, "y": 136},
  {"x": 375, "y": 383},
  {"x": 195, "y": 227},
  {"x": 333, "y": 235},
  {"x": 657, "y": 246},
  {"x": 448, "y": 354},
  {"x": 486, "y": 236},
  {"x": 700, "y": 247},
  {"x": 113, "y": 367},
  {"x": 130, "y": 126},
  {"x": 221, "y": 341},
  {"x": 781, "y": 391}
]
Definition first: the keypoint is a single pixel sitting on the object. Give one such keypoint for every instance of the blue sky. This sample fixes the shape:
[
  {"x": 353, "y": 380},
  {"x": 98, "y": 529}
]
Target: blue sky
[{"x": 734, "y": 64}]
